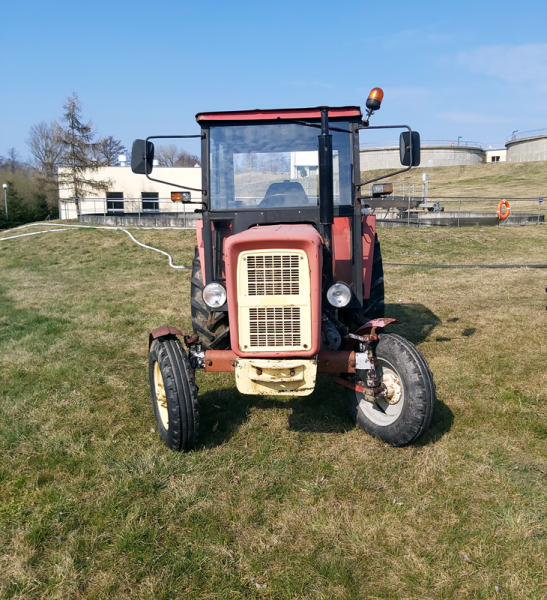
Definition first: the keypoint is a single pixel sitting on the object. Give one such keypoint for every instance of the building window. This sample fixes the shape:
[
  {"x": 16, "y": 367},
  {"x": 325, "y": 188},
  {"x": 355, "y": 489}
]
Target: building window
[
  {"x": 114, "y": 202},
  {"x": 150, "y": 201},
  {"x": 495, "y": 158}
]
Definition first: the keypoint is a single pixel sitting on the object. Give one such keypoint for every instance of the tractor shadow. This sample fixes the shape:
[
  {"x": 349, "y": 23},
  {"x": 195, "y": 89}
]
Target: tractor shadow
[
  {"x": 416, "y": 321},
  {"x": 224, "y": 411}
]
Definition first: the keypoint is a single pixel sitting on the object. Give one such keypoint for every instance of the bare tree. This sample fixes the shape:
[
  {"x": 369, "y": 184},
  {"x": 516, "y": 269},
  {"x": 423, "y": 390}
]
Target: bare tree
[
  {"x": 12, "y": 161},
  {"x": 46, "y": 148},
  {"x": 171, "y": 156},
  {"x": 77, "y": 161},
  {"x": 166, "y": 155},
  {"x": 107, "y": 151},
  {"x": 185, "y": 159}
]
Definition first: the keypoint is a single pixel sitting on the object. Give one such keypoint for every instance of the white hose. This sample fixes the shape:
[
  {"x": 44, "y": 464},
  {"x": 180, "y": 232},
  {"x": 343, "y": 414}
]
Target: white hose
[{"x": 12, "y": 237}]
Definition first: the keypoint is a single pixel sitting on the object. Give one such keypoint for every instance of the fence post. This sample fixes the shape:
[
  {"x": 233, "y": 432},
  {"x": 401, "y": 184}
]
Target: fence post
[
  {"x": 459, "y": 210},
  {"x": 408, "y": 213}
]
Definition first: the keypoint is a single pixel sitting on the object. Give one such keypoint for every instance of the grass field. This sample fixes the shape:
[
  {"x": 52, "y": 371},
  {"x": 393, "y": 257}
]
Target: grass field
[
  {"x": 282, "y": 498},
  {"x": 517, "y": 180}
]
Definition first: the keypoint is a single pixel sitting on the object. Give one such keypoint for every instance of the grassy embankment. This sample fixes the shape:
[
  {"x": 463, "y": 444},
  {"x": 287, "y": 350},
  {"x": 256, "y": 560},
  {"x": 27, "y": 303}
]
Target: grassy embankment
[
  {"x": 498, "y": 180},
  {"x": 283, "y": 498}
]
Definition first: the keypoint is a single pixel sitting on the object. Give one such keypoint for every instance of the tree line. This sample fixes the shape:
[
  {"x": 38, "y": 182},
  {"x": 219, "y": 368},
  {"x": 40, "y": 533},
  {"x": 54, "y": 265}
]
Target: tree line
[{"x": 65, "y": 155}]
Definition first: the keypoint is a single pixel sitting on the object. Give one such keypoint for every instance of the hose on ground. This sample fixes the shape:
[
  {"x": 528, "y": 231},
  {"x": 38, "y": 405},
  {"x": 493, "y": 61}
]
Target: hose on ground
[
  {"x": 12, "y": 237},
  {"x": 424, "y": 266}
]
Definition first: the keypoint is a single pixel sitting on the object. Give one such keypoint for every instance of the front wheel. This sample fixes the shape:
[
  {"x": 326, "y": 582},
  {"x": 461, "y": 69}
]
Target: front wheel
[
  {"x": 407, "y": 413},
  {"x": 174, "y": 393}
]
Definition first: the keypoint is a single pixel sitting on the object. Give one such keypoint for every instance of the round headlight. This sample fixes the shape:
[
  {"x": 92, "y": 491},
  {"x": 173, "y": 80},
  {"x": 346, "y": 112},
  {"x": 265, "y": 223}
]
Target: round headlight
[
  {"x": 214, "y": 295},
  {"x": 339, "y": 295}
]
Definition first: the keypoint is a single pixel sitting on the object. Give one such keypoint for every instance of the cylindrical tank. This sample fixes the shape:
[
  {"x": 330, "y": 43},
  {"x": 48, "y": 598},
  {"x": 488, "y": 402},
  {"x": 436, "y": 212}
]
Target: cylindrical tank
[
  {"x": 527, "y": 148},
  {"x": 433, "y": 154}
]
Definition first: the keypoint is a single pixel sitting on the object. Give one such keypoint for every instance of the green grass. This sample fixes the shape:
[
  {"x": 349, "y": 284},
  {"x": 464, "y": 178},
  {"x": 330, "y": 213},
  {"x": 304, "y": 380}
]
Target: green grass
[{"x": 285, "y": 493}]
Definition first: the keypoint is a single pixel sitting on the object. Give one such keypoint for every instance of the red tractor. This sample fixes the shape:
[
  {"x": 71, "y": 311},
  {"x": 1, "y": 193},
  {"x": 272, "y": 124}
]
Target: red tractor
[{"x": 287, "y": 279}]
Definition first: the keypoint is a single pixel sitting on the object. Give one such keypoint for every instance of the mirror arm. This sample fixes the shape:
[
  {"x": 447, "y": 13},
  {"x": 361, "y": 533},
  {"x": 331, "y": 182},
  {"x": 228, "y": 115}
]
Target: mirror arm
[
  {"x": 383, "y": 177},
  {"x": 365, "y": 125},
  {"x": 183, "y": 187}
]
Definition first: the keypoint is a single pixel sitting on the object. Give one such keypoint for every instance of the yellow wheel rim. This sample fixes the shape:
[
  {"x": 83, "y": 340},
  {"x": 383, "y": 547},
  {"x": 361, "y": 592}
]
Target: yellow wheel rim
[{"x": 161, "y": 398}]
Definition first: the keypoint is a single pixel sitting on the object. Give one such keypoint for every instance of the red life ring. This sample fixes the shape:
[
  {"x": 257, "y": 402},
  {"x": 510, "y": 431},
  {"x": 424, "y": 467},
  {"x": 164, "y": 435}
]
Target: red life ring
[
  {"x": 507, "y": 212},
  {"x": 452, "y": 144}
]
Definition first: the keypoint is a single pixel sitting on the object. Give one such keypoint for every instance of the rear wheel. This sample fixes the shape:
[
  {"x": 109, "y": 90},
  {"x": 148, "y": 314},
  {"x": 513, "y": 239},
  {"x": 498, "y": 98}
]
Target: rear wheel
[
  {"x": 212, "y": 327},
  {"x": 407, "y": 412},
  {"x": 174, "y": 393}
]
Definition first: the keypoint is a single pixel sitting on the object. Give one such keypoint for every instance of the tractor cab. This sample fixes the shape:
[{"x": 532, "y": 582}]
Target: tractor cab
[{"x": 287, "y": 279}]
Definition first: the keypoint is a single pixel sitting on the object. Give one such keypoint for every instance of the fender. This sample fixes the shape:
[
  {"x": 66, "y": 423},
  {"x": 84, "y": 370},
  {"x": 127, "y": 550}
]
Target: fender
[
  {"x": 162, "y": 331},
  {"x": 369, "y": 329}
]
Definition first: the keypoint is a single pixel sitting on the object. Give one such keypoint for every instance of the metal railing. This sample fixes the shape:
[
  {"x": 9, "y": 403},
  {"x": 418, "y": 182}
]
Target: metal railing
[
  {"x": 424, "y": 144},
  {"x": 520, "y": 135},
  {"x": 414, "y": 208},
  {"x": 141, "y": 209},
  {"x": 458, "y": 211}
]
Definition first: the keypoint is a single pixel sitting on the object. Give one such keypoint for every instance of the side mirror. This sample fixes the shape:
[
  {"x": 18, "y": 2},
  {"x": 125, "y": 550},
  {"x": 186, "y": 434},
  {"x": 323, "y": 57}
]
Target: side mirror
[
  {"x": 142, "y": 157},
  {"x": 404, "y": 149}
]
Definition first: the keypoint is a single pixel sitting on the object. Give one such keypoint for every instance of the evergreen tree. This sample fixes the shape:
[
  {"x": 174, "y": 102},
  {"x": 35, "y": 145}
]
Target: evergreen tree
[{"x": 77, "y": 157}]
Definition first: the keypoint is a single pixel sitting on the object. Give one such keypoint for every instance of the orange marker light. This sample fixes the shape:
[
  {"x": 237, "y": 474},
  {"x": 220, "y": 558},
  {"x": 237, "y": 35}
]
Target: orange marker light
[
  {"x": 374, "y": 100},
  {"x": 377, "y": 94},
  {"x": 176, "y": 196}
]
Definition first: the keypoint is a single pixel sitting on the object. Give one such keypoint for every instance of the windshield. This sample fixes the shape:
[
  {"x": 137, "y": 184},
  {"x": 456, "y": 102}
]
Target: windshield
[{"x": 274, "y": 166}]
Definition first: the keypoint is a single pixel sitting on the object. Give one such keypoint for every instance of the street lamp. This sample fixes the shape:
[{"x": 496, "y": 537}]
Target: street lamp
[
  {"x": 5, "y": 186},
  {"x": 459, "y": 138}
]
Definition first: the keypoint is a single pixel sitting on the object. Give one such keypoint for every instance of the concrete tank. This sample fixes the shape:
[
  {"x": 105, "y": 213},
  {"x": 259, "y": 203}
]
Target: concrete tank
[
  {"x": 527, "y": 149},
  {"x": 432, "y": 155}
]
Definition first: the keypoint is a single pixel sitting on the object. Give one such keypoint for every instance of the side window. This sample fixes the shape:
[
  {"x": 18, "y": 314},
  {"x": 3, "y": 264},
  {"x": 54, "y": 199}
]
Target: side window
[
  {"x": 114, "y": 202},
  {"x": 150, "y": 201}
]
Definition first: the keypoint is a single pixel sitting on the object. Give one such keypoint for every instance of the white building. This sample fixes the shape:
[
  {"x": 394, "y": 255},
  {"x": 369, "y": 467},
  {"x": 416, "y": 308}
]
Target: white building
[
  {"x": 494, "y": 155},
  {"x": 133, "y": 194}
]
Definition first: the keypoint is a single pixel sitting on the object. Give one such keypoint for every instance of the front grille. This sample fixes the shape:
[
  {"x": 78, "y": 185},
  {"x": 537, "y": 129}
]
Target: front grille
[
  {"x": 275, "y": 326},
  {"x": 273, "y": 275},
  {"x": 274, "y": 301}
]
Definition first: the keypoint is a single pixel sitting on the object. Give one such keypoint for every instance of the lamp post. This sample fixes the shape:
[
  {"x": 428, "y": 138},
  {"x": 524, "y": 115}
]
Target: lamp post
[
  {"x": 459, "y": 138},
  {"x": 5, "y": 186}
]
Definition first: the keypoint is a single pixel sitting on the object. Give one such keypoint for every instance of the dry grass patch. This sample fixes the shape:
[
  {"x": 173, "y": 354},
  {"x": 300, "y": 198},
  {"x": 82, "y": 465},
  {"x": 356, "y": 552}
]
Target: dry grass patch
[{"x": 517, "y": 180}]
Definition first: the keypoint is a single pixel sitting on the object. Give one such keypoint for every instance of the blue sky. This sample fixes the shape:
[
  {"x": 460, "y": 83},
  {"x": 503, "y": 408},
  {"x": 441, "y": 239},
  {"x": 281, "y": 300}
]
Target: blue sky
[{"x": 448, "y": 69}]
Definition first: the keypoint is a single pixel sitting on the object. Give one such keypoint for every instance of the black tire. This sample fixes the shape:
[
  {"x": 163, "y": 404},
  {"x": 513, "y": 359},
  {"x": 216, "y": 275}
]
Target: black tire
[
  {"x": 405, "y": 421},
  {"x": 176, "y": 409},
  {"x": 375, "y": 307},
  {"x": 212, "y": 327}
]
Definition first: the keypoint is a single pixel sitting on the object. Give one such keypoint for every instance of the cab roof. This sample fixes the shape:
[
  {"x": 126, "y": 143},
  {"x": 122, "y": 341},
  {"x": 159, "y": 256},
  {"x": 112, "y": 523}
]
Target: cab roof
[{"x": 280, "y": 113}]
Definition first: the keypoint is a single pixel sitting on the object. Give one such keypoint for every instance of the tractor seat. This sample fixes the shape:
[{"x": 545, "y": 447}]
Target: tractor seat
[{"x": 286, "y": 194}]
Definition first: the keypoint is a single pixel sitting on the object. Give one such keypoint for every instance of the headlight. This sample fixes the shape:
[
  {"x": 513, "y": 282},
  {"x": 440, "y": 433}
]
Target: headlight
[
  {"x": 214, "y": 295},
  {"x": 339, "y": 295}
]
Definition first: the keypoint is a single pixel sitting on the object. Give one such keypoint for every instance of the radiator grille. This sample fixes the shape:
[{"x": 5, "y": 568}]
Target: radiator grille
[
  {"x": 274, "y": 300},
  {"x": 274, "y": 326},
  {"x": 273, "y": 275}
]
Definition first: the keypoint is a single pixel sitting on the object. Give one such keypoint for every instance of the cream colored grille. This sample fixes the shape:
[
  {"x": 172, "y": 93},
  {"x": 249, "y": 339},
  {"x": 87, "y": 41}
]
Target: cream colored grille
[
  {"x": 274, "y": 326},
  {"x": 273, "y": 275},
  {"x": 274, "y": 301}
]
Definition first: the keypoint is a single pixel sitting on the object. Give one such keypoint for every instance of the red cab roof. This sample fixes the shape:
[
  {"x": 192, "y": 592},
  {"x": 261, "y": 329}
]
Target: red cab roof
[{"x": 279, "y": 113}]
